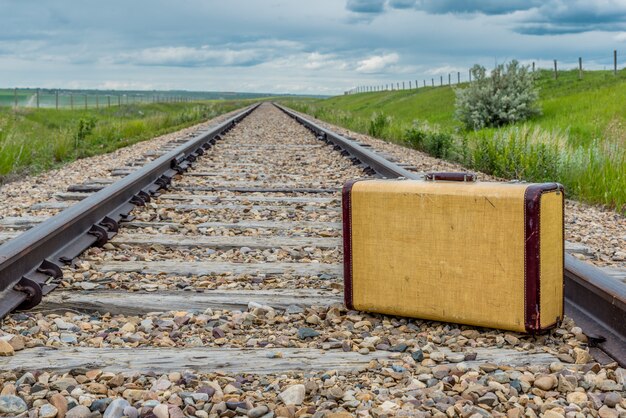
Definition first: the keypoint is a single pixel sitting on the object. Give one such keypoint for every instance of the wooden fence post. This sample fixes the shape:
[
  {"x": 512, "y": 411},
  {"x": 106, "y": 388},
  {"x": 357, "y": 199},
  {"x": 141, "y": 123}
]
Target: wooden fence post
[
  {"x": 458, "y": 77},
  {"x": 556, "y": 74},
  {"x": 449, "y": 79},
  {"x": 580, "y": 68},
  {"x": 615, "y": 61},
  {"x": 432, "y": 80},
  {"x": 441, "y": 80},
  {"x": 533, "y": 66}
]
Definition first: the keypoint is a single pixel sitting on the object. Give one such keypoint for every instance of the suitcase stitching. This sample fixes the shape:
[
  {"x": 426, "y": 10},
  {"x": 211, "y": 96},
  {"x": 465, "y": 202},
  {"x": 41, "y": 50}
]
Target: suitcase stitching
[
  {"x": 350, "y": 238},
  {"x": 525, "y": 257}
]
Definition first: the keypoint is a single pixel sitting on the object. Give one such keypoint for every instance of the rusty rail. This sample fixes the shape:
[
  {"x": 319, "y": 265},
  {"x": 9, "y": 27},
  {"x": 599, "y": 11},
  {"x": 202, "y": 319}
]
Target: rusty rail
[{"x": 30, "y": 264}]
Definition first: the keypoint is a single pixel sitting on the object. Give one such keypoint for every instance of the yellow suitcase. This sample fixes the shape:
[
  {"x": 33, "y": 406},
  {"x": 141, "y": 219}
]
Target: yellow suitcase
[{"x": 455, "y": 250}]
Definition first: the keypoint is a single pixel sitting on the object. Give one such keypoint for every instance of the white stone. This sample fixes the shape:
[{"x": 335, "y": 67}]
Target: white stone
[{"x": 293, "y": 395}]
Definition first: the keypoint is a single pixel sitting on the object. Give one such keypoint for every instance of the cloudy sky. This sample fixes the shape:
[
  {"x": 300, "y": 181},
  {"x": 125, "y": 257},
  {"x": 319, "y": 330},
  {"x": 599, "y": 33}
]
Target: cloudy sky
[{"x": 292, "y": 46}]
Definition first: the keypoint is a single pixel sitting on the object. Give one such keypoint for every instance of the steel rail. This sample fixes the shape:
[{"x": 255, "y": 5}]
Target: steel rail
[
  {"x": 596, "y": 301},
  {"x": 30, "y": 264},
  {"x": 372, "y": 162}
]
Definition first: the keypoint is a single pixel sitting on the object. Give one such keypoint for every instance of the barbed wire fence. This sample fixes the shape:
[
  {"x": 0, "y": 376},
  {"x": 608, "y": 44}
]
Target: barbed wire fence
[
  {"x": 68, "y": 99},
  {"x": 459, "y": 77}
]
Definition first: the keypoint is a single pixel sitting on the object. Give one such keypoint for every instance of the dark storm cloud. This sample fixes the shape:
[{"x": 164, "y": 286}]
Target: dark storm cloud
[
  {"x": 561, "y": 17},
  {"x": 488, "y": 7},
  {"x": 402, "y": 4},
  {"x": 366, "y": 6},
  {"x": 534, "y": 17}
]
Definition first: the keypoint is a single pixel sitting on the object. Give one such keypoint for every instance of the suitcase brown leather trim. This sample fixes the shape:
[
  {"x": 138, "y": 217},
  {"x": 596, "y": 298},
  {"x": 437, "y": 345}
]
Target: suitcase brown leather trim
[
  {"x": 532, "y": 251},
  {"x": 347, "y": 242},
  {"x": 532, "y": 259}
]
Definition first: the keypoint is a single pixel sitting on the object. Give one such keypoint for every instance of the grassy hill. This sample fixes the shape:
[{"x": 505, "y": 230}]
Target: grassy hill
[{"x": 578, "y": 140}]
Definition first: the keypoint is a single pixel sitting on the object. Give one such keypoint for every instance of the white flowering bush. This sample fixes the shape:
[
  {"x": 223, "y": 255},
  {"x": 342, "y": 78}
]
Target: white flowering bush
[{"x": 506, "y": 96}]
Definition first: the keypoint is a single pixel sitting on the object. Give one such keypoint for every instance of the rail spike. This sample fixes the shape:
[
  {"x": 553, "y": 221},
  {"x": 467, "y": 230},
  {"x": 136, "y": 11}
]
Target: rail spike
[
  {"x": 101, "y": 234},
  {"x": 33, "y": 292}
]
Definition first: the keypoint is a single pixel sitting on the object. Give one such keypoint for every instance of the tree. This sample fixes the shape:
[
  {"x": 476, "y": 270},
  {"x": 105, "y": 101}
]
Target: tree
[{"x": 507, "y": 96}]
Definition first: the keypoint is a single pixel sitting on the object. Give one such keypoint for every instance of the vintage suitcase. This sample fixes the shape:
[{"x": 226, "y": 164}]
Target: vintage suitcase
[{"x": 455, "y": 250}]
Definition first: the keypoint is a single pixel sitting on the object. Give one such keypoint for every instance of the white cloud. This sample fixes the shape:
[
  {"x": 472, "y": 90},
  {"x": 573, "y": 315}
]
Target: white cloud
[
  {"x": 124, "y": 85},
  {"x": 190, "y": 56},
  {"x": 446, "y": 69},
  {"x": 620, "y": 37},
  {"x": 316, "y": 60},
  {"x": 377, "y": 63}
]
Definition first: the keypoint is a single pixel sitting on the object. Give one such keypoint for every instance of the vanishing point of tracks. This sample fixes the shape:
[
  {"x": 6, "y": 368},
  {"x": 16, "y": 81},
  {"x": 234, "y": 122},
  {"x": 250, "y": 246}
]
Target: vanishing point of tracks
[{"x": 219, "y": 293}]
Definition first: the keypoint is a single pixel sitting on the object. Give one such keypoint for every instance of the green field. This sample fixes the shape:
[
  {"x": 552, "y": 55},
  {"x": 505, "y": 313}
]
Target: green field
[
  {"x": 33, "y": 140},
  {"x": 578, "y": 140},
  {"x": 79, "y": 99}
]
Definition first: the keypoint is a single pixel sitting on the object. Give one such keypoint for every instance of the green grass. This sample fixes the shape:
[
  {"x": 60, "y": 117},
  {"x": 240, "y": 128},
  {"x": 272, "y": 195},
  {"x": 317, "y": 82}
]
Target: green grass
[
  {"x": 33, "y": 140},
  {"x": 578, "y": 140}
]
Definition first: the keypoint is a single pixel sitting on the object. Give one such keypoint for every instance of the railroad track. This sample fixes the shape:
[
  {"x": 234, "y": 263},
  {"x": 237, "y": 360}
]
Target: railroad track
[{"x": 214, "y": 289}]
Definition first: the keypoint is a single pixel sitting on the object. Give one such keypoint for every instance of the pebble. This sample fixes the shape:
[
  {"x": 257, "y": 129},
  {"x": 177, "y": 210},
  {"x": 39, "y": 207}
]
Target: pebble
[
  {"x": 582, "y": 356},
  {"x": 606, "y": 412},
  {"x": 293, "y": 395},
  {"x": 116, "y": 408},
  {"x": 545, "y": 382},
  {"x": 612, "y": 399},
  {"x": 100, "y": 405},
  {"x": 399, "y": 348},
  {"x": 10, "y": 404},
  {"x": 294, "y": 309},
  {"x": 6, "y": 349},
  {"x": 161, "y": 411},
  {"x": 131, "y": 412},
  {"x": 258, "y": 411},
  {"x": 455, "y": 357},
  {"x": 418, "y": 355},
  {"x": 304, "y": 333},
  {"x": 489, "y": 399},
  {"x": 79, "y": 411},
  {"x": 60, "y": 403},
  {"x": 68, "y": 338},
  {"x": 48, "y": 411},
  {"x": 553, "y": 414},
  {"x": 577, "y": 397},
  {"x": 26, "y": 379}
]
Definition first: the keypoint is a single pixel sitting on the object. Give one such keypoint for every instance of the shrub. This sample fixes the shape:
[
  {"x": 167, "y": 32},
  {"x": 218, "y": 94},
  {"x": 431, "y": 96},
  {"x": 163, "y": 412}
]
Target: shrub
[
  {"x": 83, "y": 128},
  {"x": 415, "y": 136},
  {"x": 378, "y": 123},
  {"x": 433, "y": 141},
  {"x": 507, "y": 96}
]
